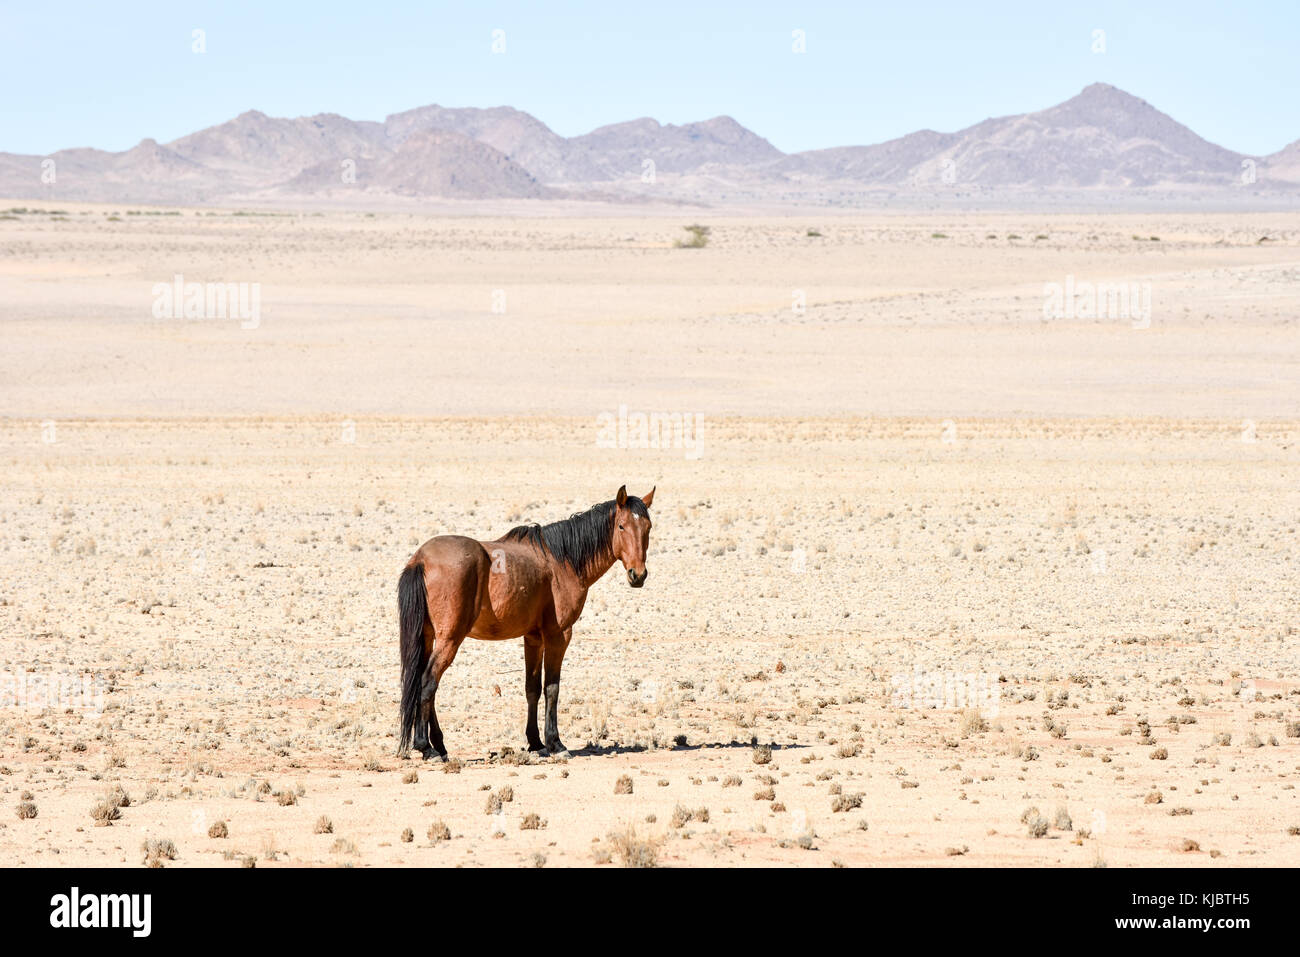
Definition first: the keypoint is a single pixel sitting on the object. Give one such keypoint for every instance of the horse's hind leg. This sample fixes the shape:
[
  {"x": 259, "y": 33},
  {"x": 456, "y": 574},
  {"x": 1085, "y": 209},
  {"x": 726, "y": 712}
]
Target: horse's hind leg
[{"x": 444, "y": 652}]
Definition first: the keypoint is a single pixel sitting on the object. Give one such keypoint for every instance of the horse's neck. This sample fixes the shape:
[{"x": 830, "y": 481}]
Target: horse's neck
[{"x": 596, "y": 573}]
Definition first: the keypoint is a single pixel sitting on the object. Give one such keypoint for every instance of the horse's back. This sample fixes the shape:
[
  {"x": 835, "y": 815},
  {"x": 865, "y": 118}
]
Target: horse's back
[{"x": 452, "y": 551}]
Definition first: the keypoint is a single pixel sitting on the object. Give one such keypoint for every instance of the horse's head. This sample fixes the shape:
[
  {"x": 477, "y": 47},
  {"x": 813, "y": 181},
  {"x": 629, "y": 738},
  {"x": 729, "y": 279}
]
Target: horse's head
[{"x": 632, "y": 534}]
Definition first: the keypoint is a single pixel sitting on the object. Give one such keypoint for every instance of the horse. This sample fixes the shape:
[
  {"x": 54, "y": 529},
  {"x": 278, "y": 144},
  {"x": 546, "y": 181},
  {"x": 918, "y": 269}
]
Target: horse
[{"x": 532, "y": 583}]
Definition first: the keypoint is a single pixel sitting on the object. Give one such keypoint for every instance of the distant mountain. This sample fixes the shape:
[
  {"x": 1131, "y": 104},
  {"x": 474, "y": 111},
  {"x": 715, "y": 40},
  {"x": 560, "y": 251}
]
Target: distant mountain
[
  {"x": 609, "y": 153},
  {"x": 429, "y": 163},
  {"x": 621, "y": 150},
  {"x": 1101, "y": 140},
  {"x": 147, "y": 171},
  {"x": 524, "y": 138},
  {"x": 1284, "y": 165},
  {"x": 258, "y": 150},
  {"x": 1103, "y": 137}
]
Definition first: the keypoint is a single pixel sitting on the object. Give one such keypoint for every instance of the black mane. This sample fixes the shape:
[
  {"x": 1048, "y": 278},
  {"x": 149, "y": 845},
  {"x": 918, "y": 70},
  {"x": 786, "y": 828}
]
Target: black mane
[{"x": 582, "y": 540}]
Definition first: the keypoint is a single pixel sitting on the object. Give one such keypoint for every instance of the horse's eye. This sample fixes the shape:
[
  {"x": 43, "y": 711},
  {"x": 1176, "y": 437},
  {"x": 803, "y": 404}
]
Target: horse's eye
[{"x": 620, "y": 528}]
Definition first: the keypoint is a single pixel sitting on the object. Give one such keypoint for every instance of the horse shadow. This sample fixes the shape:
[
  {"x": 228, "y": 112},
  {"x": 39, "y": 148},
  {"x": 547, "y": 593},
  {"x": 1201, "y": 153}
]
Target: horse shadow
[{"x": 596, "y": 750}]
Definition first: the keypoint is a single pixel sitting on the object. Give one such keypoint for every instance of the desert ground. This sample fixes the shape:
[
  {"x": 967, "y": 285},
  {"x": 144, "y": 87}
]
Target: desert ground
[{"x": 935, "y": 579}]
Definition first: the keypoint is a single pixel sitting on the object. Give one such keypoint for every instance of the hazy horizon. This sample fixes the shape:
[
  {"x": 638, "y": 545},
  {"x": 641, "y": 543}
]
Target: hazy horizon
[{"x": 865, "y": 76}]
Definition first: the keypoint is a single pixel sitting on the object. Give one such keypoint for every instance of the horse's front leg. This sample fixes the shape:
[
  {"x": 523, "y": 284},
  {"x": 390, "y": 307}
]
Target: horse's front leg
[
  {"x": 533, "y": 685},
  {"x": 553, "y": 657}
]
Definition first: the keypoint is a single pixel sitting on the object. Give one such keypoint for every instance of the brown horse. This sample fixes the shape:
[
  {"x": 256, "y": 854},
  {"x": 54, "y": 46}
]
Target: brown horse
[{"x": 530, "y": 583}]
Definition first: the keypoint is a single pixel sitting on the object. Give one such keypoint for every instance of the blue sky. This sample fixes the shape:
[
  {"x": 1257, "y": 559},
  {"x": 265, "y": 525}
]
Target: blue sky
[{"x": 110, "y": 74}]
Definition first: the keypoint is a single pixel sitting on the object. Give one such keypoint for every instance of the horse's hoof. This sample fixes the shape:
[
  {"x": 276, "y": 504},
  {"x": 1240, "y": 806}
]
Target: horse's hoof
[
  {"x": 558, "y": 750},
  {"x": 431, "y": 755}
]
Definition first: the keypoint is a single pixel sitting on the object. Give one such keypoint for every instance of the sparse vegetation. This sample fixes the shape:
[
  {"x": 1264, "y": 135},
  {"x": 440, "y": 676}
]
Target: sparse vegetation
[
  {"x": 1035, "y": 822},
  {"x": 104, "y": 812},
  {"x": 699, "y": 237},
  {"x": 438, "y": 832},
  {"x": 631, "y": 848},
  {"x": 156, "y": 850},
  {"x": 846, "y": 802}
]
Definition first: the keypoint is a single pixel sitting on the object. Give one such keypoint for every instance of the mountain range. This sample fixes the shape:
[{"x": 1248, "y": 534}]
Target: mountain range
[{"x": 1103, "y": 139}]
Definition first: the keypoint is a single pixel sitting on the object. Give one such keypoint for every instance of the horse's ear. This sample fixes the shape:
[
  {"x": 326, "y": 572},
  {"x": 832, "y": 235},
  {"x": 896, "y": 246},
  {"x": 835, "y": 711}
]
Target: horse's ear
[
  {"x": 621, "y": 497},
  {"x": 648, "y": 497}
]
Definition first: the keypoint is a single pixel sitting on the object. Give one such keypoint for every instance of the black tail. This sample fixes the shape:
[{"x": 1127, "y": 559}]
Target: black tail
[{"x": 412, "y": 610}]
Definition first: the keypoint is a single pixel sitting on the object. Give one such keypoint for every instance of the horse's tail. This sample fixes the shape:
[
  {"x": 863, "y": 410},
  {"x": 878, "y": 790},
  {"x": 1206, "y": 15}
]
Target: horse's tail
[{"x": 412, "y": 610}]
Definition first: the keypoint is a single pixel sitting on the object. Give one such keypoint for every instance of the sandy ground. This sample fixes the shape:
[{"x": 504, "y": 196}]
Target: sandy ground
[{"x": 949, "y": 560}]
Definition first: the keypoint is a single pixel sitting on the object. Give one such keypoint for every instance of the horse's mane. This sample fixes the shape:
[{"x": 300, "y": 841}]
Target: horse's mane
[{"x": 581, "y": 541}]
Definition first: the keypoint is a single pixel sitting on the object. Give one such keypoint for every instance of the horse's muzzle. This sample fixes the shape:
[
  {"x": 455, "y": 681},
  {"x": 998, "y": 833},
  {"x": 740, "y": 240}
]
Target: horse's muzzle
[{"x": 635, "y": 580}]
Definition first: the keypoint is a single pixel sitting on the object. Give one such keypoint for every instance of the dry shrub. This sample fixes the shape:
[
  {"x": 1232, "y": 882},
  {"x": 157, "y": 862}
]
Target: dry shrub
[
  {"x": 972, "y": 722},
  {"x": 158, "y": 849},
  {"x": 439, "y": 831},
  {"x": 632, "y": 849},
  {"x": 344, "y": 846},
  {"x": 846, "y": 802},
  {"x": 1034, "y": 821}
]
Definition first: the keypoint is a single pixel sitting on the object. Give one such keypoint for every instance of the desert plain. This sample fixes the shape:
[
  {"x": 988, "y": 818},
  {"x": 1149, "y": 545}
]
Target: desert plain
[{"x": 938, "y": 577}]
